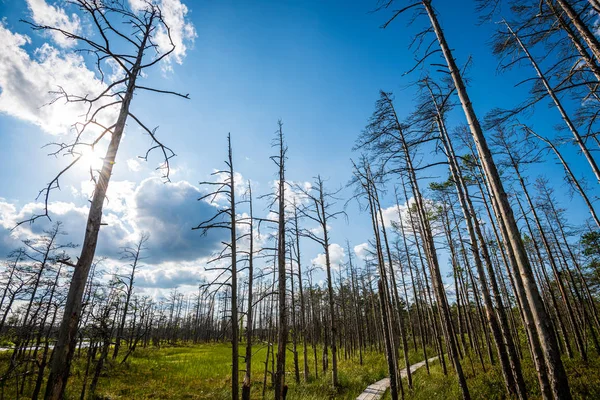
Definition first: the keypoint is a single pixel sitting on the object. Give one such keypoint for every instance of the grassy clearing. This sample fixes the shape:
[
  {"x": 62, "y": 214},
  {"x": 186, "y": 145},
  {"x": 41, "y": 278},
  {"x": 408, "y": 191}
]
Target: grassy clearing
[{"x": 202, "y": 372}]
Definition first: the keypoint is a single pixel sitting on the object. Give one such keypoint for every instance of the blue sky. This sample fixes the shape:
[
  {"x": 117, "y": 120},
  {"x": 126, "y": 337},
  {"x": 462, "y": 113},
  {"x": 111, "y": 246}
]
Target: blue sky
[{"x": 317, "y": 65}]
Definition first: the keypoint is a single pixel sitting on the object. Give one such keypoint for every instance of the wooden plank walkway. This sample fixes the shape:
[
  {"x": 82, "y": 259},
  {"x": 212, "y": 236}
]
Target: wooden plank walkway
[{"x": 376, "y": 390}]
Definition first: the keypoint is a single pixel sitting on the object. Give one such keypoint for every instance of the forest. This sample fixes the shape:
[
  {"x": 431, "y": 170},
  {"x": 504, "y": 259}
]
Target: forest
[{"x": 479, "y": 272}]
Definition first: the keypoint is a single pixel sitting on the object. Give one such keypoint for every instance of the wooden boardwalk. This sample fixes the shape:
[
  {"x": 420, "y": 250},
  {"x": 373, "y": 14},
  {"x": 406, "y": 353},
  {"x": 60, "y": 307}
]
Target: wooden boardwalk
[{"x": 376, "y": 390}]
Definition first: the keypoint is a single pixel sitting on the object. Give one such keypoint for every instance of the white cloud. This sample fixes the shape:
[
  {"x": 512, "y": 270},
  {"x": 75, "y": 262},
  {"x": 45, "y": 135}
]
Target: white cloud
[
  {"x": 8, "y": 240},
  {"x": 73, "y": 218},
  {"x": 336, "y": 257},
  {"x": 295, "y": 196},
  {"x": 391, "y": 218},
  {"x": 26, "y": 83},
  {"x": 182, "y": 31},
  {"x": 134, "y": 165},
  {"x": 168, "y": 275},
  {"x": 362, "y": 250},
  {"x": 120, "y": 196},
  {"x": 43, "y": 13},
  {"x": 390, "y": 215},
  {"x": 137, "y": 5},
  {"x": 318, "y": 231},
  {"x": 168, "y": 211},
  {"x": 29, "y": 81}
]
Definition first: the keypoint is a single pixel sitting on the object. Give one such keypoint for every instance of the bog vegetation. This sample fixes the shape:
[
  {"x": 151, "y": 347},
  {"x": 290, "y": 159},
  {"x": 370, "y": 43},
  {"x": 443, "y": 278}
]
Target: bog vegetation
[{"x": 517, "y": 317}]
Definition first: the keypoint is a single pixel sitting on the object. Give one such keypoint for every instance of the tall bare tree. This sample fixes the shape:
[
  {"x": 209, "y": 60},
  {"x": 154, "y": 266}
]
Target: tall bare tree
[
  {"x": 226, "y": 218},
  {"x": 524, "y": 275},
  {"x": 282, "y": 326},
  {"x": 318, "y": 210},
  {"x": 114, "y": 25}
]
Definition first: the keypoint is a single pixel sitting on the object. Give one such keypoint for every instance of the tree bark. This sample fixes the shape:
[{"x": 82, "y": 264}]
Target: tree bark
[
  {"x": 65, "y": 346},
  {"x": 556, "y": 372}
]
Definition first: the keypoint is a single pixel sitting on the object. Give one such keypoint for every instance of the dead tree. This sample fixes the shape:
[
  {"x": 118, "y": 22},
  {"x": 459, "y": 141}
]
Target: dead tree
[
  {"x": 13, "y": 282},
  {"x": 226, "y": 218},
  {"x": 298, "y": 259},
  {"x": 512, "y": 43},
  {"x": 365, "y": 189},
  {"x": 524, "y": 275},
  {"x": 134, "y": 255},
  {"x": 318, "y": 210},
  {"x": 516, "y": 155},
  {"x": 510, "y": 363},
  {"x": 250, "y": 310},
  {"x": 570, "y": 176},
  {"x": 134, "y": 33},
  {"x": 282, "y": 327},
  {"x": 390, "y": 140}
]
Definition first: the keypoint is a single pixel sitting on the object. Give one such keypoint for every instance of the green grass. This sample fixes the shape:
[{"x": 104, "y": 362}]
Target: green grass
[
  {"x": 584, "y": 380},
  {"x": 203, "y": 372}
]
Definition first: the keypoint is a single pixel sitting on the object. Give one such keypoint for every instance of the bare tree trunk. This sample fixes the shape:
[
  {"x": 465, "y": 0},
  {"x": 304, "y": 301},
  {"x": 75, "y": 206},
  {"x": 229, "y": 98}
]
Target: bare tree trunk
[
  {"x": 511, "y": 366},
  {"x": 65, "y": 346},
  {"x": 235, "y": 342},
  {"x": 556, "y": 372},
  {"x": 333, "y": 326},
  {"x": 558, "y": 104},
  {"x": 282, "y": 327},
  {"x": 394, "y": 295},
  {"x": 294, "y": 322},
  {"x": 135, "y": 256},
  {"x": 13, "y": 266},
  {"x": 365, "y": 180},
  {"x": 390, "y": 354},
  {"x": 518, "y": 288},
  {"x": 302, "y": 301},
  {"x": 589, "y": 38},
  {"x": 570, "y": 175},
  {"x": 314, "y": 332},
  {"x": 557, "y": 276},
  {"x": 249, "y": 312},
  {"x": 430, "y": 252},
  {"x": 585, "y": 319},
  {"x": 357, "y": 311},
  {"x": 415, "y": 298}
]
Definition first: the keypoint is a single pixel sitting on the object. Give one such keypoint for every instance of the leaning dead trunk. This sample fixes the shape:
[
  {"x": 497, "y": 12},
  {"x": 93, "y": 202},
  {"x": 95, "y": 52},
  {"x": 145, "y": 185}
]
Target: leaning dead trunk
[
  {"x": 67, "y": 337},
  {"x": 556, "y": 372},
  {"x": 144, "y": 26},
  {"x": 572, "y": 178},
  {"x": 586, "y": 34},
  {"x": 511, "y": 367},
  {"x": 558, "y": 104}
]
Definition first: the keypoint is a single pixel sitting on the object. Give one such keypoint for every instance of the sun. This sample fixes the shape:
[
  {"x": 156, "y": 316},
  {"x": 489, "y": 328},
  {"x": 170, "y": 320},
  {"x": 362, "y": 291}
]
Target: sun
[{"x": 90, "y": 158}]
